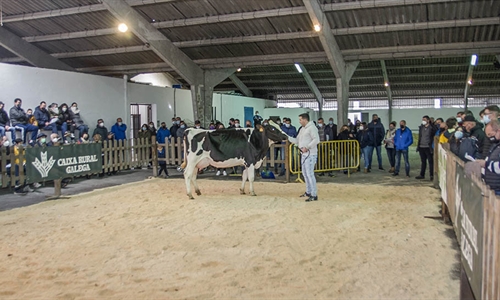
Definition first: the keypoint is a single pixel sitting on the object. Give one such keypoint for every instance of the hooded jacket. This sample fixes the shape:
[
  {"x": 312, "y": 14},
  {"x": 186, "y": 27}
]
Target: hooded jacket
[{"x": 74, "y": 114}]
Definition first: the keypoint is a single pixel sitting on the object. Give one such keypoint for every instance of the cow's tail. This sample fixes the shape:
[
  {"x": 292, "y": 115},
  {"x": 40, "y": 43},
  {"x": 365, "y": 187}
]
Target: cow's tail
[{"x": 184, "y": 162}]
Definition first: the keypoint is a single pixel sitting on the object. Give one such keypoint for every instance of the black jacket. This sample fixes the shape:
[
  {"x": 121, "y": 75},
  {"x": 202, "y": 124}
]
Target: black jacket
[
  {"x": 378, "y": 132},
  {"x": 365, "y": 138},
  {"x": 4, "y": 118},
  {"x": 331, "y": 131},
  {"x": 479, "y": 134},
  {"x": 433, "y": 134},
  {"x": 103, "y": 131},
  {"x": 42, "y": 116},
  {"x": 344, "y": 136},
  {"x": 18, "y": 116}
]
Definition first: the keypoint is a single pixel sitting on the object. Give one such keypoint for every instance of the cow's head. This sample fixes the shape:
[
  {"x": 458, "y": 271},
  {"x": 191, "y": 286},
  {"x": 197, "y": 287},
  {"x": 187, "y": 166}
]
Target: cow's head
[{"x": 274, "y": 132}]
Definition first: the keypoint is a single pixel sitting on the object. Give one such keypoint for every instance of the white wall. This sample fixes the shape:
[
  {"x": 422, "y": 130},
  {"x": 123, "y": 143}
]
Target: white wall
[
  {"x": 232, "y": 106},
  {"x": 292, "y": 113}
]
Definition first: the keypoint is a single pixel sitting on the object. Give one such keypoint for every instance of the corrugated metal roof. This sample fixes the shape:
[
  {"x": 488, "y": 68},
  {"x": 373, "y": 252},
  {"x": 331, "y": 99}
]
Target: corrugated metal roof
[
  {"x": 18, "y": 7},
  {"x": 90, "y": 43},
  {"x": 114, "y": 59}
]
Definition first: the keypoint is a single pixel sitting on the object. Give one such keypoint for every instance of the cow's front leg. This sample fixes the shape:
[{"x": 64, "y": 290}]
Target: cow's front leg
[
  {"x": 251, "y": 176},
  {"x": 244, "y": 177}
]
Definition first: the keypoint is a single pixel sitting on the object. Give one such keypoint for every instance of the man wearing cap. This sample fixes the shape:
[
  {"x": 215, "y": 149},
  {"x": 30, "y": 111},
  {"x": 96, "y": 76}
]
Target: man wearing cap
[
  {"x": 472, "y": 128},
  {"x": 5, "y": 123},
  {"x": 41, "y": 140},
  {"x": 19, "y": 120}
]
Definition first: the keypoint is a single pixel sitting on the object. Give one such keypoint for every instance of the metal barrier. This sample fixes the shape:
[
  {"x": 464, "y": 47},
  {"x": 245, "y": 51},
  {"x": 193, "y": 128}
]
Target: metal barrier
[{"x": 332, "y": 156}]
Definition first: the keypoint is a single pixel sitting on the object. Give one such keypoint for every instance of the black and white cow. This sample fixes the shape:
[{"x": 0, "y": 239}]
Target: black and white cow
[{"x": 225, "y": 148}]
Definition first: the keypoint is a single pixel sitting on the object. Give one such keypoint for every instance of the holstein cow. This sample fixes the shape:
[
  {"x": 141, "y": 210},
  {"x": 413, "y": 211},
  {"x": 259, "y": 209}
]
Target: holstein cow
[{"x": 225, "y": 148}]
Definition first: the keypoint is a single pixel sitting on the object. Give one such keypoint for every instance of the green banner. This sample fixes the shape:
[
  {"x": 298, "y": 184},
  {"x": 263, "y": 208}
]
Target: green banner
[
  {"x": 50, "y": 163},
  {"x": 469, "y": 220}
]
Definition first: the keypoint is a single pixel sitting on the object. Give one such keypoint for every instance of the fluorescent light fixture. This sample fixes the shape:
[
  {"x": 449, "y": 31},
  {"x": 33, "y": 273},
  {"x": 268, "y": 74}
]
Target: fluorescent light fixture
[
  {"x": 437, "y": 103},
  {"x": 298, "y": 68},
  {"x": 122, "y": 27},
  {"x": 317, "y": 27},
  {"x": 473, "y": 60}
]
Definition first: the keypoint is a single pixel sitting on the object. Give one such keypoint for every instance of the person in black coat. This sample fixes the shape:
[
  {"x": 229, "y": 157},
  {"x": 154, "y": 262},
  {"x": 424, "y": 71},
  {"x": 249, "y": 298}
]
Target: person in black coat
[
  {"x": 378, "y": 133},
  {"x": 365, "y": 139}
]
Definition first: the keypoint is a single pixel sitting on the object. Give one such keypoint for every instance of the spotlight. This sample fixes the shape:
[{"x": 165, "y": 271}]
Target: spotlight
[
  {"x": 386, "y": 84},
  {"x": 122, "y": 27},
  {"x": 317, "y": 28},
  {"x": 470, "y": 82},
  {"x": 238, "y": 70}
]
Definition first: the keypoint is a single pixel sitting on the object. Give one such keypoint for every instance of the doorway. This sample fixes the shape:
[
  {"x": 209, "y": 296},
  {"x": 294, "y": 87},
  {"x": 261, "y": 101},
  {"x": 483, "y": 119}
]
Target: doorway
[
  {"x": 248, "y": 116},
  {"x": 139, "y": 114}
]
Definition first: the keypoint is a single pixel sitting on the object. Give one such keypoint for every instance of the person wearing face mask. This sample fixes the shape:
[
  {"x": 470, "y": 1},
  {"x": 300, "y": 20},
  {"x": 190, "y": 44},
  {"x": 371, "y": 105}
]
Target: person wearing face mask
[
  {"x": 365, "y": 139},
  {"x": 64, "y": 120},
  {"x": 152, "y": 128},
  {"x": 491, "y": 163},
  {"x": 231, "y": 123},
  {"x": 119, "y": 130},
  {"x": 41, "y": 140},
  {"x": 389, "y": 145},
  {"x": 101, "y": 130},
  {"x": 173, "y": 128},
  {"x": 248, "y": 124},
  {"x": 77, "y": 121},
  {"x": 426, "y": 135},
  {"x": 257, "y": 119},
  {"x": 5, "y": 123},
  {"x": 460, "y": 117},
  {"x": 491, "y": 112},
  {"x": 181, "y": 130},
  {"x": 197, "y": 124},
  {"x": 236, "y": 123},
  {"x": 145, "y": 133},
  {"x": 448, "y": 131},
  {"x": 19, "y": 120},
  {"x": 163, "y": 134},
  {"x": 378, "y": 132},
  {"x": 330, "y": 131},
  {"x": 403, "y": 139},
  {"x": 42, "y": 115},
  {"x": 473, "y": 129}
]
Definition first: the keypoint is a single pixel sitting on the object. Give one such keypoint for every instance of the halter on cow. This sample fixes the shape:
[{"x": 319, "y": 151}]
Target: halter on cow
[{"x": 225, "y": 148}]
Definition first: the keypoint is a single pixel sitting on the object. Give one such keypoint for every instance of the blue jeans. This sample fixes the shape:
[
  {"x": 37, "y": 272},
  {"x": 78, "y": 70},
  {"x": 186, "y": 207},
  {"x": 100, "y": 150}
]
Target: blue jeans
[
  {"x": 55, "y": 128},
  {"x": 308, "y": 162},
  {"x": 12, "y": 132},
  {"x": 25, "y": 128},
  {"x": 398, "y": 161},
  {"x": 379, "y": 155},
  {"x": 391, "y": 154},
  {"x": 367, "y": 154},
  {"x": 83, "y": 129}
]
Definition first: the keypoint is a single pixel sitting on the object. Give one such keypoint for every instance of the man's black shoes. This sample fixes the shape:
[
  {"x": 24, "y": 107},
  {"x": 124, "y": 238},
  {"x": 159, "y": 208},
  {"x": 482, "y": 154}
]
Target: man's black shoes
[
  {"x": 312, "y": 198},
  {"x": 305, "y": 195}
]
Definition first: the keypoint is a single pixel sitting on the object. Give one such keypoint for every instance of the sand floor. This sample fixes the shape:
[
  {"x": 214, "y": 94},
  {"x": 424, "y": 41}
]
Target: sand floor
[{"x": 148, "y": 241}]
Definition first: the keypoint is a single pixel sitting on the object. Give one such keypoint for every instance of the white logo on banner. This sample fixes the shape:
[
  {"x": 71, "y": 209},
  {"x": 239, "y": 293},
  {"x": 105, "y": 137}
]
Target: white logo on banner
[{"x": 45, "y": 165}]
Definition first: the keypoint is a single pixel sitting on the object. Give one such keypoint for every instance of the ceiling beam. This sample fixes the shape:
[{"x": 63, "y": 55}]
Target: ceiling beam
[
  {"x": 280, "y": 36},
  {"x": 162, "y": 46},
  {"x": 418, "y": 51},
  {"x": 74, "y": 10},
  {"x": 314, "y": 89},
  {"x": 387, "y": 85},
  {"x": 240, "y": 85},
  {"x": 468, "y": 85},
  {"x": 30, "y": 53},
  {"x": 261, "y": 14}
]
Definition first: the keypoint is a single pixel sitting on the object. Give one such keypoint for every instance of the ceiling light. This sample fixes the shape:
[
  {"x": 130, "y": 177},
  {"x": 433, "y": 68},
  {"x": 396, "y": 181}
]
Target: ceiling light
[
  {"x": 386, "y": 84},
  {"x": 238, "y": 70},
  {"x": 298, "y": 68},
  {"x": 317, "y": 28},
  {"x": 473, "y": 60},
  {"x": 122, "y": 27}
]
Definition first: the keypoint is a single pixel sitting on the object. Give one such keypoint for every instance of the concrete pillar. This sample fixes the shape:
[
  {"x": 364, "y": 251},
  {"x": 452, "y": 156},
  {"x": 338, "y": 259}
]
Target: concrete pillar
[{"x": 342, "y": 101}]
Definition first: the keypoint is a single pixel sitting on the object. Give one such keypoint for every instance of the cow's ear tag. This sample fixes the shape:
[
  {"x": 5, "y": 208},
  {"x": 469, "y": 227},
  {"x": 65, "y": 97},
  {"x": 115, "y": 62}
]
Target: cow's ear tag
[{"x": 261, "y": 129}]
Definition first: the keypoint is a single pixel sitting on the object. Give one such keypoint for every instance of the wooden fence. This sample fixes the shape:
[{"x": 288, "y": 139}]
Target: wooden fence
[{"x": 461, "y": 189}]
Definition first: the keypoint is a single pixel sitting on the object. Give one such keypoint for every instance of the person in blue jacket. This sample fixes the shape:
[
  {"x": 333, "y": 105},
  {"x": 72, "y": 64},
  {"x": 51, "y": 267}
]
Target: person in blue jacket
[
  {"x": 163, "y": 134},
  {"x": 119, "y": 130},
  {"x": 402, "y": 140}
]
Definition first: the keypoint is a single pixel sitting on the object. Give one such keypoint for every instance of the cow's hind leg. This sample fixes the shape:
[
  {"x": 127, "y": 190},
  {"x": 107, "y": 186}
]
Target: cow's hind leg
[
  {"x": 244, "y": 177},
  {"x": 188, "y": 175},
  {"x": 195, "y": 184},
  {"x": 251, "y": 176}
]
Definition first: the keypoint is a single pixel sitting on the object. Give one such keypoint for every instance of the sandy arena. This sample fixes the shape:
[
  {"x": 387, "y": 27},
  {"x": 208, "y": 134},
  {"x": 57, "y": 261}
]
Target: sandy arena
[{"x": 147, "y": 240}]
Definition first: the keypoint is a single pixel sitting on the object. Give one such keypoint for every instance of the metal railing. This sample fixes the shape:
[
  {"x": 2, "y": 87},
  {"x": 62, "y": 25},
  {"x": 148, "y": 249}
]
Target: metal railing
[{"x": 332, "y": 156}]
